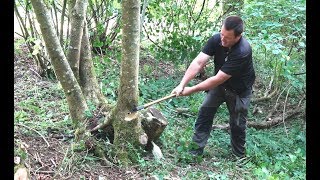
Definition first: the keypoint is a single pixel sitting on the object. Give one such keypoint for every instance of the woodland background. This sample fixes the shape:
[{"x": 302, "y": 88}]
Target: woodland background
[{"x": 53, "y": 109}]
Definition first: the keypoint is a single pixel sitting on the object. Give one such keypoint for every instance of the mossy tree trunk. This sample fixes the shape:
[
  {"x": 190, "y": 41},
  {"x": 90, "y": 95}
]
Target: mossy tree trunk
[
  {"x": 76, "y": 74},
  {"x": 128, "y": 131},
  {"x": 79, "y": 54},
  {"x": 71, "y": 88}
]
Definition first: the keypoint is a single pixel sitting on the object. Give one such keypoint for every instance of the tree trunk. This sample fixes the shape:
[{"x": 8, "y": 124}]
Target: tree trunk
[
  {"x": 62, "y": 21},
  {"x": 77, "y": 25},
  {"x": 127, "y": 128},
  {"x": 75, "y": 99},
  {"x": 88, "y": 80},
  {"x": 143, "y": 13},
  {"x": 39, "y": 58}
]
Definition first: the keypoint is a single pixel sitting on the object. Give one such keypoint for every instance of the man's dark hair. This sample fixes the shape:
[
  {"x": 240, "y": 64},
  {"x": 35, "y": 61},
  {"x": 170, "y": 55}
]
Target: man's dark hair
[{"x": 234, "y": 23}]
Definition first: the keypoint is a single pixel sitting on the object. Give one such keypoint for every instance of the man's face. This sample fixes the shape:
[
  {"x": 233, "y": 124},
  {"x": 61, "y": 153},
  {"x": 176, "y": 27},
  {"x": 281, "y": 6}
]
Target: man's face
[{"x": 228, "y": 39}]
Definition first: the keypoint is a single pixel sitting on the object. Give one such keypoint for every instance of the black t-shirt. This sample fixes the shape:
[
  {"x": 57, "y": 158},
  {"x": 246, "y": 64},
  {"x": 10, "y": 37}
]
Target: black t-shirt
[{"x": 236, "y": 61}]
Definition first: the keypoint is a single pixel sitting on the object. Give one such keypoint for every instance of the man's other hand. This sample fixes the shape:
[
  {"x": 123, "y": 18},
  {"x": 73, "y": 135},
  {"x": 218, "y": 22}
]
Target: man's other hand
[{"x": 178, "y": 90}]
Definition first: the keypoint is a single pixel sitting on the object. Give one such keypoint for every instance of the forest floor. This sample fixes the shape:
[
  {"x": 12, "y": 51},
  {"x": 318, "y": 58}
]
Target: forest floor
[
  {"x": 45, "y": 152},
  {"x": 45, "y": 155}
]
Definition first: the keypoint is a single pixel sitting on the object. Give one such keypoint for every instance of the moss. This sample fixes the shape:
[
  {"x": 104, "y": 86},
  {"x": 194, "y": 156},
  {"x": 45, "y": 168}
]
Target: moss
[{"x": 126, "y": 137}]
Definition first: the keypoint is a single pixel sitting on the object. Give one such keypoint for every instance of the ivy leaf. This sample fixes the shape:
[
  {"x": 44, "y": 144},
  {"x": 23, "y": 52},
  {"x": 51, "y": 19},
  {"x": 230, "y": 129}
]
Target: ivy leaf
[
  {"x": 302, "y": 44},
  {"x": 292, "y": 157},
  {"x": 275, "y": 51}
]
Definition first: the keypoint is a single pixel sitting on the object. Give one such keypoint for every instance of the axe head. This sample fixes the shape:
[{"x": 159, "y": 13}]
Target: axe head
[{"x": 135, "y": 109}]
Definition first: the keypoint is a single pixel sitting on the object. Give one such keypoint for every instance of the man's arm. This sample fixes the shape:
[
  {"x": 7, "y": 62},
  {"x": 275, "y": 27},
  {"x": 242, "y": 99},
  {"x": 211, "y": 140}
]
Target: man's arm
[
  {"x": 195, "y": 66},
  {"x": 209, "y": 83}
]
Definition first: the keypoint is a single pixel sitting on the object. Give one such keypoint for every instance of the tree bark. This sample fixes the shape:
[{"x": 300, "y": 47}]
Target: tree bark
[
  {"x": 77, "y": 25},
  {"x": 88, "y": 80},
  {"x": 128, "y": 128},
  {"x": 62, "y": 20},
  {"x": 75, "y": 99},
  {"x": 40, "y": 61}
]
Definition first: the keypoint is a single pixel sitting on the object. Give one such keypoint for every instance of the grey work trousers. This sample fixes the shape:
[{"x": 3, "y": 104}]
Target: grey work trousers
[{"x": 238, "y": 110}]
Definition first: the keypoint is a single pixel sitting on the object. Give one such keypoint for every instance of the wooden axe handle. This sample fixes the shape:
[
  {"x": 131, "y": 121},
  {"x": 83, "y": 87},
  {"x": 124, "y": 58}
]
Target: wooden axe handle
[
  {"x": 153, "y": 102},
  {"x": 159, "y": 100}
]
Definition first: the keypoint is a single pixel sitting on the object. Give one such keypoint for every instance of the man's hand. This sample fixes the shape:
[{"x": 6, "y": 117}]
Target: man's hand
[
  {"x": 184, "y": 91},
  {"x": 178, "y": 90},
  {"x": 188, "y": 91}
]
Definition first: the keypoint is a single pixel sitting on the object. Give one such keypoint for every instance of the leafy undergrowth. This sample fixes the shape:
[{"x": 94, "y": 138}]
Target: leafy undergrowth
[{"x": 43, "y": 136}]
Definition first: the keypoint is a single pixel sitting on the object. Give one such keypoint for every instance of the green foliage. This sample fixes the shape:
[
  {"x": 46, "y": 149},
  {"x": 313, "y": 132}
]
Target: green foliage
[
  {"x": 213, "y": 175},
  {"x": 105, "y": 32},
  {"x": 20, "y": 150},
  {"x": 147, "y": 69},
  {"x": 277, "y": 31},
  {"x": 31, "y": 105},
  {"x": 43, "y": 108},
  {"x": 151, "y": 89},
  {"x": 90, "y": 110},
  {"x": 107, "y": 72},
  {"x": 17, "y": 45},
  {"x": 183, "y": 150},
  {"x": 179, "y": 36},
  {"x": 136, "y": 155},
  {"x": 20, "y": 116},
  {"x": 78, "y": 146},
  {"x": 277, "y": 156}
]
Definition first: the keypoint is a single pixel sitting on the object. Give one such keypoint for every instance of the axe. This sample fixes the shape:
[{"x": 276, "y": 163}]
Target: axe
[{"x": 152, "y": 103}]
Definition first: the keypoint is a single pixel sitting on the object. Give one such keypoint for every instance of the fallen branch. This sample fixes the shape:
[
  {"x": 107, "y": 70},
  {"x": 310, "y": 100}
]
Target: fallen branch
[
  {"x": 284, "y": 111},
  {"x": 276, "y": 106},
  {"x": 106, "y": 122},
  {"x": 269, "y": 87},
  {"x": 265, "y": 98},
  {"x": 37, "y": 74},
  {"x": 34, "y": 131},
  {"x": 44, "y": 172},
  {"x": 264, "y": 124}
]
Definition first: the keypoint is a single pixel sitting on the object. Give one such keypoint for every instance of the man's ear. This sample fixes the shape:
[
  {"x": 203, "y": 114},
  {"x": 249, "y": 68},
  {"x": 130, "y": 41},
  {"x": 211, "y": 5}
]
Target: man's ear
[{"x": 239, "y": 36}]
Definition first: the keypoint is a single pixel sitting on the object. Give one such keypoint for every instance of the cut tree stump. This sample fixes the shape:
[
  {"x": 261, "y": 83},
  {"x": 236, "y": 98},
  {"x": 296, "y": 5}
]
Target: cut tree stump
[{"x": 153, "y": 123}]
